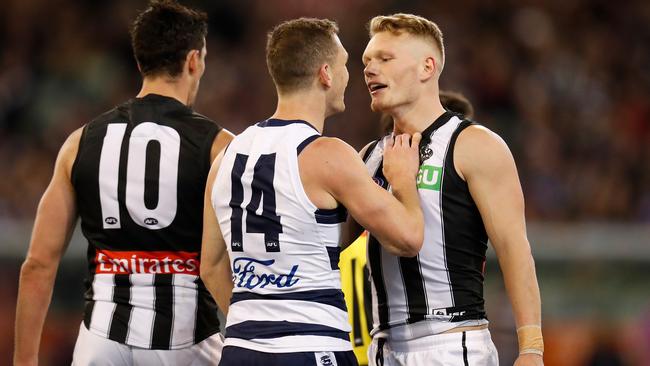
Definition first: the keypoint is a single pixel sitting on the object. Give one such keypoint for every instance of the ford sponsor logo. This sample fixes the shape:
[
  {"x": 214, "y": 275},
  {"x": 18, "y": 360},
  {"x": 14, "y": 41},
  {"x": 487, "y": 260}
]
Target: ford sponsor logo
[{"x": 246, "y": 275}]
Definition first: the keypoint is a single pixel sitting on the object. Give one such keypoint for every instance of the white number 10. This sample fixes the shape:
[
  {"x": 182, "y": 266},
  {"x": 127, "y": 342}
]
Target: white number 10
[{"x": 109, "y": 165}]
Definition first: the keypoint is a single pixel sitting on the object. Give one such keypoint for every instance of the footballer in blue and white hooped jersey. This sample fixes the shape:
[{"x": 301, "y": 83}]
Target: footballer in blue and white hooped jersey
[{"x": 283, "y": 250}]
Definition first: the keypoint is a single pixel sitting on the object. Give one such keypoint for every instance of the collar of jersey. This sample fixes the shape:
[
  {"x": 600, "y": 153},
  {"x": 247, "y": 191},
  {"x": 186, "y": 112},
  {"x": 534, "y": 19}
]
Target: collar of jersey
[
  {"x": 157, "y": 98},
  {"x": 439, "y": 122},
  {"x": 426, "y": 134},
  {"x": 153, "y": 98},
  {"x": 274, "y": 122}
]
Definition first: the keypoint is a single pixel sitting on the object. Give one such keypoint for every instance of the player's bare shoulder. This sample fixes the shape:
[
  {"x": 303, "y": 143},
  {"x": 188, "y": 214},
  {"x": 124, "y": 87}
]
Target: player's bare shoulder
[
  {"x": 331, "y": 162},
  {"x": 328, "y": 151},
  {"x": 69, "y": 150},
  {"x": 478, "y": 147}
]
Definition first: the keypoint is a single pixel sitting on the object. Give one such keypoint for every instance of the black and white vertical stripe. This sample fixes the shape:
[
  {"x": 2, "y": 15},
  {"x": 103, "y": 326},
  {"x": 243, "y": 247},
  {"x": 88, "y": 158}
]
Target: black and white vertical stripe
[
  {"x": 153, "y": 311},
  {"x": 444, "y": 281}
]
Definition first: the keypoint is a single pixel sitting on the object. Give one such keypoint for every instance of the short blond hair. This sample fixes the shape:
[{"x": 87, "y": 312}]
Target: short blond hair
[{"x": 411, "y": 24}]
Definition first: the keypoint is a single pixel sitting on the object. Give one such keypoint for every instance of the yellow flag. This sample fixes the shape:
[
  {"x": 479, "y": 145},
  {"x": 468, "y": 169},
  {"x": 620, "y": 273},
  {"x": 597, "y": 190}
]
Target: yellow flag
[{"x": 354, "y": 282}]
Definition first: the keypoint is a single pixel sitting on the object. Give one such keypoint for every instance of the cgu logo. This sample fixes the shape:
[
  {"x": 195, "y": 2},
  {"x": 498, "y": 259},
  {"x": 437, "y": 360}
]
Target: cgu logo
[
  {"x": 429, "y": 177},
  {"x": 245, "y": 274}
]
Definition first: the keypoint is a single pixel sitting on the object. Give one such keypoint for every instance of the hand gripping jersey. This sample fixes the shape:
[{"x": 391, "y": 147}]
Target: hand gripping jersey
[
  {"x": 139, "y": 177},
  {"x": 442, "y": 287},
  {"x": 284, "y": 251}
]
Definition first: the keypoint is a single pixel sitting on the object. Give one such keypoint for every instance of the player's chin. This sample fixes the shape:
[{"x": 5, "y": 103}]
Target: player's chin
[
  {"x": 339, "y": 107},
  {"x": 377, "y": 106}
]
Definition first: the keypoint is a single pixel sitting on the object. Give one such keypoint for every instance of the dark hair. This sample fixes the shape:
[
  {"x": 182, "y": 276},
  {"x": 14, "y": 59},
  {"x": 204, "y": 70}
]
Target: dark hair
[
  {"x": 295, "y": 49},
  {"x": 452, "y": 101},
  {"x": 163, "y": 34},
  {"x": 456, "y": 102}
]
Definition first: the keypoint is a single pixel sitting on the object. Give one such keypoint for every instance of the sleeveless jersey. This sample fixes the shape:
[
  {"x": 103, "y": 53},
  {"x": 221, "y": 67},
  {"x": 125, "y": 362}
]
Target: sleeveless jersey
[
  {"x": 283, "y": 250},
  {"x": 442, "y": 287},
  {"x": 139, "y": 177}
]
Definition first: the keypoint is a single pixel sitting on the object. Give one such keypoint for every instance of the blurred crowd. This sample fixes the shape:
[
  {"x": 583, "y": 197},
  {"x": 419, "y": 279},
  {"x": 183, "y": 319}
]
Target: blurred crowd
[{"x": 565, "y": 83}]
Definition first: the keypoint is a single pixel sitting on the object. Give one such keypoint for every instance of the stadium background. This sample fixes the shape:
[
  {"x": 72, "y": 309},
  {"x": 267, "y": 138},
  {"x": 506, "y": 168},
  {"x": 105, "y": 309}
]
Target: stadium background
[{"x": 565, "y": 82}]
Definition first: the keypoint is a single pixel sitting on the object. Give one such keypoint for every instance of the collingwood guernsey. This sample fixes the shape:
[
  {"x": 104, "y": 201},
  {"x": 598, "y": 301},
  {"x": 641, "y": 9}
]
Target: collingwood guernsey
[
  {"x": 139, "y": 178},
  {"x": 442, "y": 287},
  {"x": 283, "y": 250}
]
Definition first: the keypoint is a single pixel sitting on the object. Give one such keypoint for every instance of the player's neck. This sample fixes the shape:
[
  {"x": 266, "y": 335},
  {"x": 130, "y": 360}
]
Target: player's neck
[
  {"x": 416, "y": 117},
  {"x": 167, "y": 87},
  {"x": 302, "y": 106}
]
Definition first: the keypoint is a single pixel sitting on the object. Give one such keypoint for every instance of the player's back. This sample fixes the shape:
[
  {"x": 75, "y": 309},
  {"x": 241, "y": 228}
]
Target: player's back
[
  {"x": 283, "y": 250},
  {"x": 139, "y": 179}
]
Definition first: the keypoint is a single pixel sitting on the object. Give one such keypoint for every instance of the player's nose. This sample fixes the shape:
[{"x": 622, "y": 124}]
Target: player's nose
[{"x": 369, "y": 70}]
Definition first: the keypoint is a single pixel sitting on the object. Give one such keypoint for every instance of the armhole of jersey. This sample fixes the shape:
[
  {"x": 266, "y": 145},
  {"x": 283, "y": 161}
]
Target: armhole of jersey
[
  {"x": 306, "y": 142},
  {"x": 212, "y": 136},
  {"x": 73, "y": 170},
  {"x": 225, "y": 149},
  {"x": 369, "y": 150},
  {"x": 299, "y": 188},
  {"x": 450, "y": 155}
]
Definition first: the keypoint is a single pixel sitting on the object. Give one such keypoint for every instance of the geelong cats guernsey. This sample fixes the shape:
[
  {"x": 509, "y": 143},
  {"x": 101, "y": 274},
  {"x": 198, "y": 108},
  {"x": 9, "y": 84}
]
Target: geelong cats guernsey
[
  {"x": 442, "y": 287},
  {"x": 283, "y": 250},
  {"x": 139, "y": 177}
]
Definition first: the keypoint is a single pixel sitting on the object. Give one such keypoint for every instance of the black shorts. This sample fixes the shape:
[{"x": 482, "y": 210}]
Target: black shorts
[{"x": 237, "y": 356}]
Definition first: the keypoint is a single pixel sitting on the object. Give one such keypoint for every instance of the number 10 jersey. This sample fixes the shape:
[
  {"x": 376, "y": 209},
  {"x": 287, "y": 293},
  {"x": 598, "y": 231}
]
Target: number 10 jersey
[
  {"x": 139, "y": 178},
  {"x": 284, "y": 251}
]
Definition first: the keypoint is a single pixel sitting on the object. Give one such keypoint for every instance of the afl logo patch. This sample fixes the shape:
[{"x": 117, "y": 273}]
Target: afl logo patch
[
  {"x": 150, "y": 221},
  {"x": 379, "y": 181},
  {"x": 110, "y": 220}
]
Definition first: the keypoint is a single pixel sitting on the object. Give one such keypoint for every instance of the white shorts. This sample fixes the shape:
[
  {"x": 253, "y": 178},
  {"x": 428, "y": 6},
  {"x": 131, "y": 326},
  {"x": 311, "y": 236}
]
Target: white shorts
[
  {"x": 94, "y": 350},
  {"x": 472, "y": 348}
]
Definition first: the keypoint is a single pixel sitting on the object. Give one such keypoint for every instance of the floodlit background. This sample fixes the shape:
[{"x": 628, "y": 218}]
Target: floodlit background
[{"x": 565, "y": 82}]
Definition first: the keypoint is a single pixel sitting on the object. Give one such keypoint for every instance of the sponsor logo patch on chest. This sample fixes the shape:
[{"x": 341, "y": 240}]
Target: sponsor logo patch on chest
[
  {"x": 245, "y": 274},
  {"x": 429, "y": 177},
  {"x": 134, "y": 262}
]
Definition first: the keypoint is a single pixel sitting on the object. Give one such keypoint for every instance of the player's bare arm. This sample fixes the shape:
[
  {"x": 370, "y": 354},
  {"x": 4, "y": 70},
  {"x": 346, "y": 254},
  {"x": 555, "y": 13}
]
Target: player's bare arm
[
  {"x": 215, "y": 264},
  {"x": 220, "y": 142},
  {"x": 483, "y": 159},
  {"x": 212, "y": 260},
  {"x": 351, "y": 229},
  {"x": 53, "y": 227},
  {"x": 332, "y": 171}
]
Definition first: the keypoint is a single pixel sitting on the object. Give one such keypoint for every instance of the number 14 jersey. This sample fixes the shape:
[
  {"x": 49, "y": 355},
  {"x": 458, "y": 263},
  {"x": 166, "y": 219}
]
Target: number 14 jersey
[{"x": 283, "y": 250}]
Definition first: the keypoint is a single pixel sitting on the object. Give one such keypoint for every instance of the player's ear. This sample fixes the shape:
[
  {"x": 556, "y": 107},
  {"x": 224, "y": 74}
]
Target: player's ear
[
  {"x": 325, "y": 75},
  {"x": 429, "y": 68},
  {"x": 192, "y": 61}
]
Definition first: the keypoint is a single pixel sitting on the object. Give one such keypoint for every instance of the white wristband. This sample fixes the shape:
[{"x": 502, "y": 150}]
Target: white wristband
[{"x": 531, "y": 351}]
